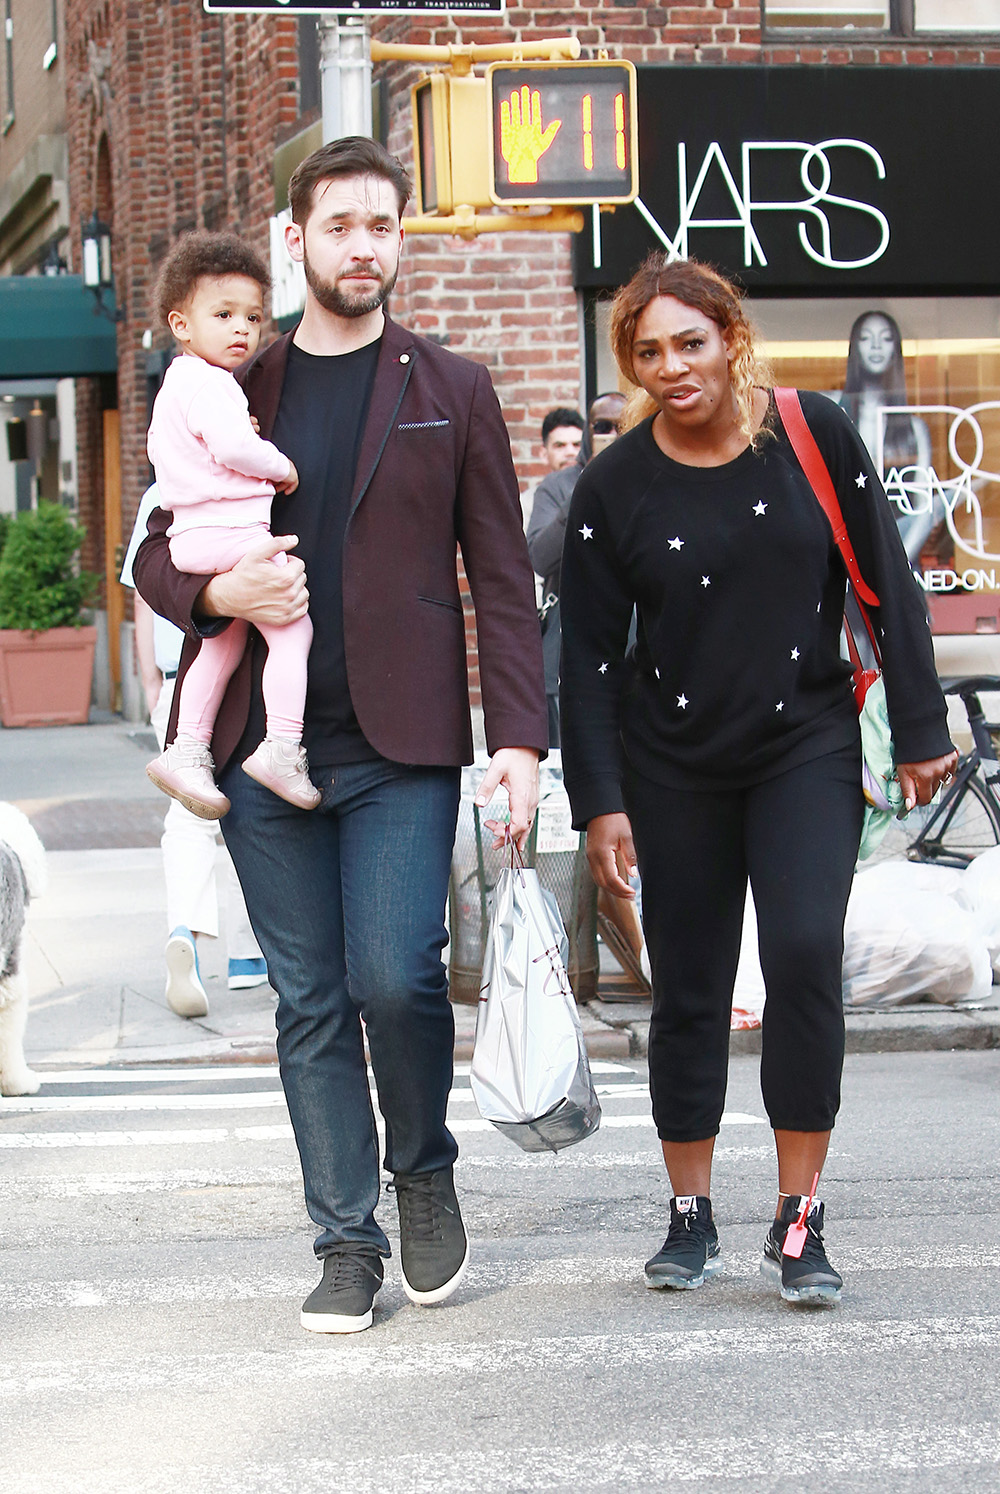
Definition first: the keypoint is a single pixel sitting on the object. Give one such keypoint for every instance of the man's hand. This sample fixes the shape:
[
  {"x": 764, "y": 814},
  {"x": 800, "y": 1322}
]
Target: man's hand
[
  {"x": 517, "y": 769},
  {"x": 266, "y": 586},
  {"x": 611, "y": 853},
  {"x": 291, "y": 482}
]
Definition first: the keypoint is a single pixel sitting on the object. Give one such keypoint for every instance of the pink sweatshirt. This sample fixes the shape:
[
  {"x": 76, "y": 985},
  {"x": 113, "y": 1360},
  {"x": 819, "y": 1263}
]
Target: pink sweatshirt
[{"x": 211, "y": 466}]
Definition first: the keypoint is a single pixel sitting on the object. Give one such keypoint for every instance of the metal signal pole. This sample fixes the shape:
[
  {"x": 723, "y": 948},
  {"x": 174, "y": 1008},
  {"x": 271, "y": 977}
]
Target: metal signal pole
[{"x": 345, "y": 76}]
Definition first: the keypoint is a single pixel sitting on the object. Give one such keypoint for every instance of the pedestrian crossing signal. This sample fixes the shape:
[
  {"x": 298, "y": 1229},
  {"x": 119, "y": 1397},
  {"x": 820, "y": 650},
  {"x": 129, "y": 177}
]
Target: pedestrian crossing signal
[
  {"x": 547, "y": 133},
  {"x": 562, "y": 132}
]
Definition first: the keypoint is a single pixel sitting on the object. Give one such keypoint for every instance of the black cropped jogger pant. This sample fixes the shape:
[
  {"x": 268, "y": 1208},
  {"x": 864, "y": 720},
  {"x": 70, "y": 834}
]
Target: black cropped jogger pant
[{"x": 796, "y": 837}]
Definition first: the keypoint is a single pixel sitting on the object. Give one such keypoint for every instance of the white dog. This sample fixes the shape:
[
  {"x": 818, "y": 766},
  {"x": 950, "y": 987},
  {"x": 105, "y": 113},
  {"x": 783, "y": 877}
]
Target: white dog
[{"x": 22, "y": 877}]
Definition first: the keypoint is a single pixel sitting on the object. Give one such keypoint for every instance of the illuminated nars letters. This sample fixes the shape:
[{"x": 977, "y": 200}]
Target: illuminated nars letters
[{"x": 817, "y": 174}]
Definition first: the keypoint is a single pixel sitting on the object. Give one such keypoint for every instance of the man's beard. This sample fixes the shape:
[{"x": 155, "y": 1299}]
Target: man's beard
[{"x": 332, "y": 298}]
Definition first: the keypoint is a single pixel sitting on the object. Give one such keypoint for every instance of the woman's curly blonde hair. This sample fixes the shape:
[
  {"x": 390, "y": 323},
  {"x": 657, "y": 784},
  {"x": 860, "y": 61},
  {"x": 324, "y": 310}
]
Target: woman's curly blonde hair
[{"x": 697, "y": 285}]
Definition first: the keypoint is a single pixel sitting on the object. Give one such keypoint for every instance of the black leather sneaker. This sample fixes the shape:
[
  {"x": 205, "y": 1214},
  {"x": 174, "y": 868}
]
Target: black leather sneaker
[
  {"x": 808, "y": 1277},
  {"x": 342, "y": 1303},
  {"x": 691, "y": 1250},
  {"x": 433, "y": 1247}
]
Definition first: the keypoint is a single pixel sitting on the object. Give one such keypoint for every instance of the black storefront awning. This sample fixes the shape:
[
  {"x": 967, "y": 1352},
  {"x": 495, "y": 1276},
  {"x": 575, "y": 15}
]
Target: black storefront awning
[{"x": 49, "y": 329}]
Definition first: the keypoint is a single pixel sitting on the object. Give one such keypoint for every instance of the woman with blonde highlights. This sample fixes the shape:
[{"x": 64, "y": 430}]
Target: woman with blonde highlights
[{"x": 724, "y": 746}]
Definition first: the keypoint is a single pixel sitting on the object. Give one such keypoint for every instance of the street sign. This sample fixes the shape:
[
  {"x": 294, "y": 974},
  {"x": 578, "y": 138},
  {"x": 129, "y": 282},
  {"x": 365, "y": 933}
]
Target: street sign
[
  {"x": 355, "y": 7},
  {"x": 562, "y": 132}
]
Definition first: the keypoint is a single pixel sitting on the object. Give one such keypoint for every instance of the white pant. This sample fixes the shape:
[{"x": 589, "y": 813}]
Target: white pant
[{"x": 190, "y": 849}]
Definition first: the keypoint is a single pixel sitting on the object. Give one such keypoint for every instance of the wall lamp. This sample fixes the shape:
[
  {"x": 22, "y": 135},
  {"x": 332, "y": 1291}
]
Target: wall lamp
[{"x": 97, "y": 276}]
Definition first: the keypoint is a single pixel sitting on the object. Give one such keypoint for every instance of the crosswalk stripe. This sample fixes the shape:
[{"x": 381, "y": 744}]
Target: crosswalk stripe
[
  {"x": 459, "y": 1126},
  {"x": 262, "y": 1099},
  {"x": 570, "y": 1271},
  {"x": 186, "y": 1179},
  {"x": 188, "y": 1073},
  {"x": 376, "y": 1361}
]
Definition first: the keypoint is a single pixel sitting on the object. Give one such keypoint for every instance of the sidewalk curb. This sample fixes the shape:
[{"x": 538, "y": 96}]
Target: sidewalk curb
[{"x": 923, "y": 1029}]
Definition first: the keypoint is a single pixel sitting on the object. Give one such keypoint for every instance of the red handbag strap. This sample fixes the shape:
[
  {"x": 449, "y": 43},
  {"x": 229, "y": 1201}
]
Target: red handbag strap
[{"x": 812, "y": 463}]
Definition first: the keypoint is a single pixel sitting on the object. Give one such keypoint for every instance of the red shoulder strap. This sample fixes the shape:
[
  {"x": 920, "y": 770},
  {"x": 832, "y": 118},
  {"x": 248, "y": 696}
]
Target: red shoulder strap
[{"x": 812, "y": 463}]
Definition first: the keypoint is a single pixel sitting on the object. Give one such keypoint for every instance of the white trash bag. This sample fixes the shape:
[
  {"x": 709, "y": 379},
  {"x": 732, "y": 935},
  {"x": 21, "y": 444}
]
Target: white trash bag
[
  {"x": 530, "y": 1073},
  {"x": 980, "y": 893},
  {"x": 907, "y": 938}
]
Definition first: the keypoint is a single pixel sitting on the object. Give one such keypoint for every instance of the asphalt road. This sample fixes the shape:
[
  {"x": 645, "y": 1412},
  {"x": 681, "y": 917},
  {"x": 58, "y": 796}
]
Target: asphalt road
[{"x": 154, "y": 1252}]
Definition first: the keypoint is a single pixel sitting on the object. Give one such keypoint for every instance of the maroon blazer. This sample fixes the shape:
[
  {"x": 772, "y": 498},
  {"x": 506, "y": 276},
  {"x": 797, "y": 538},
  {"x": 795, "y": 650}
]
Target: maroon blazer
[{"x": 434, "y": 471}]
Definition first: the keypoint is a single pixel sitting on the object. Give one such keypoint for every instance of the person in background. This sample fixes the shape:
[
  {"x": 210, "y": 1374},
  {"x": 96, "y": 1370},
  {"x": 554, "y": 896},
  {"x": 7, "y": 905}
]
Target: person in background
[
  {"x": 189, "y": 843},
  {"x": 724, "y": 746},
  {"x": 547, "y": 530},
  {"x": 562, "y": 436}
]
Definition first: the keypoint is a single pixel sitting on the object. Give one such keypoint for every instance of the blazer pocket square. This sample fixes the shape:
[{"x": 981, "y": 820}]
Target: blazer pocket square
[{"x": 422, "y": 425}]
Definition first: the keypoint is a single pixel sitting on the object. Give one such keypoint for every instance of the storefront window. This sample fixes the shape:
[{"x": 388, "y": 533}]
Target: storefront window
[
  {"x": 883, "y": 15},
  {"x": 808, "y": 14},
  {"x": 920, "y": 377}
]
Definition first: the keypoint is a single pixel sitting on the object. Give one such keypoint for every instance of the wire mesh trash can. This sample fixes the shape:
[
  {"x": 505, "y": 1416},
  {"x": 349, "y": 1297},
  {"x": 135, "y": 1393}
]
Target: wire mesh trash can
[{"x": 557, "y": 852}]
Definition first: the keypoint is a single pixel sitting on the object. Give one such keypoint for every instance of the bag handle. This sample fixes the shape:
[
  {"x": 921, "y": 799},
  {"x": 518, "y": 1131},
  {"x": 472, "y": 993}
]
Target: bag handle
[{"x": 803, "y": 443}]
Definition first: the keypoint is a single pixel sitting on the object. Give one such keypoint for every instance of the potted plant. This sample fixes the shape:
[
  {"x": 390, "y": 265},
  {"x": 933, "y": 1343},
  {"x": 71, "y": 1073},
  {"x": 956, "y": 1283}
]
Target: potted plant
[{"x": 46, "y": 649}]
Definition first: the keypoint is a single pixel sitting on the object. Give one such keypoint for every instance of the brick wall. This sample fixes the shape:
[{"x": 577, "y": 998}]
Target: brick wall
[
  {"x": 192, "y": 107},
  {"x": 185, "y": 108}
]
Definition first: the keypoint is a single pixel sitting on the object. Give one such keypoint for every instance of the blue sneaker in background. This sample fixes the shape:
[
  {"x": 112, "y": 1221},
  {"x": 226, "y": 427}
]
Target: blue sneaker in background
[
  {"x": 185, "y": 993},
  {"x": 246, "y": 973}
]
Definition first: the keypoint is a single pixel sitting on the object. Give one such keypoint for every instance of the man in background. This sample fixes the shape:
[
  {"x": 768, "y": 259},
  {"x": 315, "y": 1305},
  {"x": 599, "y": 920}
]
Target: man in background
[
  {"x": 562, "y": 437},
  {"x": 547, "y": 530}
]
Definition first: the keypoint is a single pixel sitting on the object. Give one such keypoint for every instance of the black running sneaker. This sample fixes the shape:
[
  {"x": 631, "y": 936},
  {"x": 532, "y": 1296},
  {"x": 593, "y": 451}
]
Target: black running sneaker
[
  {"x": 342, "y": 1303},
  {"x": 808, "y": 1277},
  {"x": 433, "y": 1247},
  {"x": 691, "y": 1250}
]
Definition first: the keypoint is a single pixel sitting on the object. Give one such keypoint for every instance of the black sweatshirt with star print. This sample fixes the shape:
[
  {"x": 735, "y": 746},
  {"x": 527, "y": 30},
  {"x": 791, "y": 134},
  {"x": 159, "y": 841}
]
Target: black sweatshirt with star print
[{"x": 737, "y": 672}]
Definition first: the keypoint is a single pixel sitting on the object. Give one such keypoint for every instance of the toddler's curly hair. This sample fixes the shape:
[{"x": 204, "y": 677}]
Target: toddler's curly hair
[{"x": 198, "y": 255}]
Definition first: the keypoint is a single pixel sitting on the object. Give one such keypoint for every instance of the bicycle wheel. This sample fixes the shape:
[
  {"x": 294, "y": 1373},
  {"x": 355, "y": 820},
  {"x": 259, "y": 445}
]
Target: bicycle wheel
[{"x": 955, "y": 833}]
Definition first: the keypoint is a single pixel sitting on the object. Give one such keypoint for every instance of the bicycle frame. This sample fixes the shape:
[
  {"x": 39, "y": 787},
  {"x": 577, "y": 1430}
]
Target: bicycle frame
[{"x": 929, "y": 844}]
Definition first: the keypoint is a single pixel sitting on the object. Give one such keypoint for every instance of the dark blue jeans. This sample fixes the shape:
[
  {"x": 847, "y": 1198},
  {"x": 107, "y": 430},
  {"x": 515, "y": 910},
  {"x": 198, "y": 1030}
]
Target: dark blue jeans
[{"x": 347, "y": 903}]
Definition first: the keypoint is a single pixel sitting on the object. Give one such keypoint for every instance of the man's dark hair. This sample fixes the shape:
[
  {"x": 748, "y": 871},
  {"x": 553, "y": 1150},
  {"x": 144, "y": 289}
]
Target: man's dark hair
[
  {"x": 197, "y": 255},
  {"x": 354, "y": 155},
  {"x": 560, "y": 417}
]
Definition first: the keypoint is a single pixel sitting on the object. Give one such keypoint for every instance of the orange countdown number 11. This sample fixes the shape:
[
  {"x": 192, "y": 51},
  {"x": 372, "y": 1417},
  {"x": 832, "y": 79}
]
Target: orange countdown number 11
[{"x": 588, "y": 131}]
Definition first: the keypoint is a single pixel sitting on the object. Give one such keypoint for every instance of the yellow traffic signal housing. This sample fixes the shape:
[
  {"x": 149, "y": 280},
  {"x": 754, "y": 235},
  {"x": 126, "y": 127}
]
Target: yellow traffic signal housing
[
  {"x": 451, "y": 137},
  {"x": 562, "y": 132},
  {"x": 526, "y": 134}
]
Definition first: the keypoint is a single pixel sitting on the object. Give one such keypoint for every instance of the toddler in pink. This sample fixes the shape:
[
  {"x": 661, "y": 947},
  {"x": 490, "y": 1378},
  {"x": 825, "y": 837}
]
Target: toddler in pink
[{"x": 217, "y": 477}]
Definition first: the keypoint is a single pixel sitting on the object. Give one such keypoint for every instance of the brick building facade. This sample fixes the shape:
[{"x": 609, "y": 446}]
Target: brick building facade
[{"x": 174, "y": 118}]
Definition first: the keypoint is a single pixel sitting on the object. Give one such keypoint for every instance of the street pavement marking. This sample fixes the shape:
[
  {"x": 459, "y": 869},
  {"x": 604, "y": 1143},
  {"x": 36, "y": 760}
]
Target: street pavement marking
[
  {"x": 250, "y": 1100},
  {"x": 461, "y": 1126},
  {"x": 86, "y": 1185},
  {"x": 716, "y": 1461},
  {"x": 376, "y": 1359},
  {"x": 171, "y": 1074},
  {"x": 738, "y": 1267},
  {"x": 190, "y": 1073}
]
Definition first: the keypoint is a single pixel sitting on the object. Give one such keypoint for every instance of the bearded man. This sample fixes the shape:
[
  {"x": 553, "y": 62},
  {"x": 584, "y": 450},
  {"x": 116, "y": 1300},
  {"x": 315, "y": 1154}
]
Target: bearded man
[{"x": 402, "y": 456}]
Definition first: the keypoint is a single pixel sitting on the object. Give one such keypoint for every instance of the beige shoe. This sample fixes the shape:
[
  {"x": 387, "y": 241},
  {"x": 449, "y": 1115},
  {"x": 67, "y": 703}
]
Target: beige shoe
[
  {"x": 186, "y": 771},
  {"x": 281, "y": 765}
]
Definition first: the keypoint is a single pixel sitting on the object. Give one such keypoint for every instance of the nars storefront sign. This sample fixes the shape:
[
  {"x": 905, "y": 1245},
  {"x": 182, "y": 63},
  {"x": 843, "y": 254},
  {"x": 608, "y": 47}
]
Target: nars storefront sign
[
  {"x": 810, "y": 209},
  {"x": 819, "y": 179}
]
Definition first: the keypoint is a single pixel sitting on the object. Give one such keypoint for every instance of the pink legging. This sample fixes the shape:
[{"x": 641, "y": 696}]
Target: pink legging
[{"x": 214, "y": 550}]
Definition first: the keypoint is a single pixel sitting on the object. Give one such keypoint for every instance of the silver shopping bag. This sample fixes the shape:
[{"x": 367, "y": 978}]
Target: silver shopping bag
[{"x": 530, "y": 1074}]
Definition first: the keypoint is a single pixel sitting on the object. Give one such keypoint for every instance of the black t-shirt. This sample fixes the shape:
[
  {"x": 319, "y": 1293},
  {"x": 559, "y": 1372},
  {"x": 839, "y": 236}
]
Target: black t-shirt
[{"x": 321, "y": 416}]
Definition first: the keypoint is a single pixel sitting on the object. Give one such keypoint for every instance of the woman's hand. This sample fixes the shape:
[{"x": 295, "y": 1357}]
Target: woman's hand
[
  {"x": 611, "y": 853},
  {"x": 921, "y": 781}
]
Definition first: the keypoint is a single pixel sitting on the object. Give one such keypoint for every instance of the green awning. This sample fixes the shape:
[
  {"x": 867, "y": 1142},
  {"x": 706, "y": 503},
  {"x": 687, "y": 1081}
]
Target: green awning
[{"x": 49, "y": 329}]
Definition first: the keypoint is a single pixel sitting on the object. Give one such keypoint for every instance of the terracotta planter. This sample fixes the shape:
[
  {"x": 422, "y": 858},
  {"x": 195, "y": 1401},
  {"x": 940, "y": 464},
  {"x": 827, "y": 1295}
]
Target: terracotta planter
[{"x": 45, "y": 678}]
